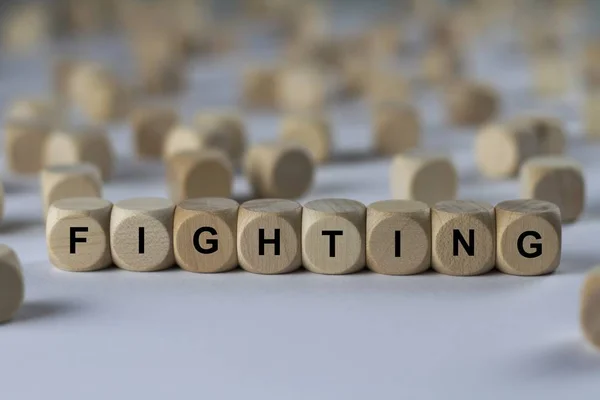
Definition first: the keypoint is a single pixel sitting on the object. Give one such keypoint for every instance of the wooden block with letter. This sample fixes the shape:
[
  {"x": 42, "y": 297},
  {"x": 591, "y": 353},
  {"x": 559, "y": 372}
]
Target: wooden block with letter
[
  {"x": 24, "y": 141},
  {"x": 204, "y": 173},
  {"x": 86, "y": 144},
  {"x": 333, "y": 236},
  {"x": 556, "y": 179},
  {"x": 78, "y": 234},
  {"x": 72, "y": 180},
  {"x": 313, "y": 131},
  {"x": 269, "y": 236},
  {"x": 12, "y": 287},
  {"x": 279, "y": 170},
  {"x": 398, "y": 237},
  {"x": 528, "y": 237},
  {"x": 589, "y": 314},
  {"x": 141, "y": 234},
  {"x": 464, "y": 237},
  {"x": 204, "y": 234},
  {"x": 150, "y": 127},
  {"x": 396, "y": 128},
  {"x": 423, "y": 177}
]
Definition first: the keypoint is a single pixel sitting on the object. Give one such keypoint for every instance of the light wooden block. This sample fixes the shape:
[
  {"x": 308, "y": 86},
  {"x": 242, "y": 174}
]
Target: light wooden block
[
  {"x": 12, "y": 287},
  {"x": 549, "y": 132},
  {"x": 269, "y": 236},
  {"x": 528, "y": 237},
  {"x": 24, "y": 26},
  {"x": 471, "y": 103},
  {"x": 551, "y": 74},
  {"x": 258, "y": 88},
  {"x": 97, "y": 92},
  {"x": 228, "y": 125},
  {"x": 589, "y": 314},
  {"x": 423, "y": 177},
  {"x": 302, "y": 89},
  {"x": 24, "y": 141},
  {"x": 204, "y": 234},
  {"x": 396, "y": 128},
  {"x": 591, "y": 113},
  {"x": 34, "y": 109},
  {"x": 141, "y": 234},
  {"x": 556, "y": 179},
  {"x": 77, "y": 145},
  {"x": 441, "y": 65},
  {"x": 150, "y": 127},
  {"x": 502, "y": 148},
  {"x": 398, "y": 237},
  {"x": 204, "y": 173},
  {"x": 333, "y": 236},
  {"x": 464, "y": 237},
  {"x": 185, "y": 139},
  {"x": 387, "y": 86},
  {"x": 78, "y": 234},
  {"x": 279, "y": 170},
  {"x": 65, "y": 181},
  {"x": 312, "y": 131}
]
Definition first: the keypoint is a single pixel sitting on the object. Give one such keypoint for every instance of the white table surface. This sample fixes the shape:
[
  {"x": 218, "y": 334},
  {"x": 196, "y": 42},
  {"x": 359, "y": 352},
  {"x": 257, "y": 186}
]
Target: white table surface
[{"x": 179, "y": 335}]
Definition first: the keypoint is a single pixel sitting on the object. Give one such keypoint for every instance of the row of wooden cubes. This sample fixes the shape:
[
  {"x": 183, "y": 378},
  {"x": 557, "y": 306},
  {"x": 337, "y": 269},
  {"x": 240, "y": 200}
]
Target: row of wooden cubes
[{"x": 328, "y": 236}]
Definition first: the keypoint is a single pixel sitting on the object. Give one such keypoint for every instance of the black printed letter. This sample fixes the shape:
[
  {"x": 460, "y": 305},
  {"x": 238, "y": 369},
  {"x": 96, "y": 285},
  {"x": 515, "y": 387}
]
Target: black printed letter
[
  {"x": 537, "y": 247},
  {"x": 74, "y": 239},
  {"x": 214, "y": 243},
  {"x": 458, "y": 237},
  {"x": 332, "y": 235},
  {"x": 262, "y": 241}
]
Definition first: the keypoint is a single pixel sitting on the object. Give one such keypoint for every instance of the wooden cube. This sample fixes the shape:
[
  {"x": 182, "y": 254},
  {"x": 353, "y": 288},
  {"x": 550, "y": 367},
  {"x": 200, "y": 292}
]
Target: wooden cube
[
  {"x": 398, "y": 237},
  {"x": 423, "y": 177},
  {"x": 78, "y": 234},
  {"x": 205, "y": 173},
  {"x": 556, "y": 179},
  {"x": 97, "y": 92},
  {"x": 592, "y": 114},
  {"x": 141, "y": 234},
  {"x": 551, "y": 74},
  {"x": 258, "y": 88},
  {"x": 279, "y": 170},
  {"x": 333, "y": 236},
  {"x": 501, "y": 149},
  {"x": 269, "y": 236},
  {"x": 12, "y": 287},
  {"x": 76, "y": 145},
  {"x": 549, "y": 132},
  {"x": 441, "y": 65},
  {"x": 227, "y": 125},
  {"x": 589, "y": 314},
  {"x": 43, "y": 111},
  {"x": 204, "y": 235},
  {"x": 65, "y": 181},
  {"x": 528, "y": 237},
  {"x": 24, "y": 141},
  {"x": 396, "y": 128},
  {"x": 312, "y": 131},
  {"x": 387, "y": 87},
  {"x": 471, "y": 103},
  {"x": 150, "y": 127},
  {"x": 185, "y": 139},
  {"x": 302, "y": 89},
  {"x": 464, "y": 237},
  {"x": 24, "y": 26}
]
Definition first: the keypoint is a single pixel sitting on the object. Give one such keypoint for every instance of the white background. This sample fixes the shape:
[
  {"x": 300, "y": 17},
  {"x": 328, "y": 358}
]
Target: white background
[{"x": 175, "y": 334}]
